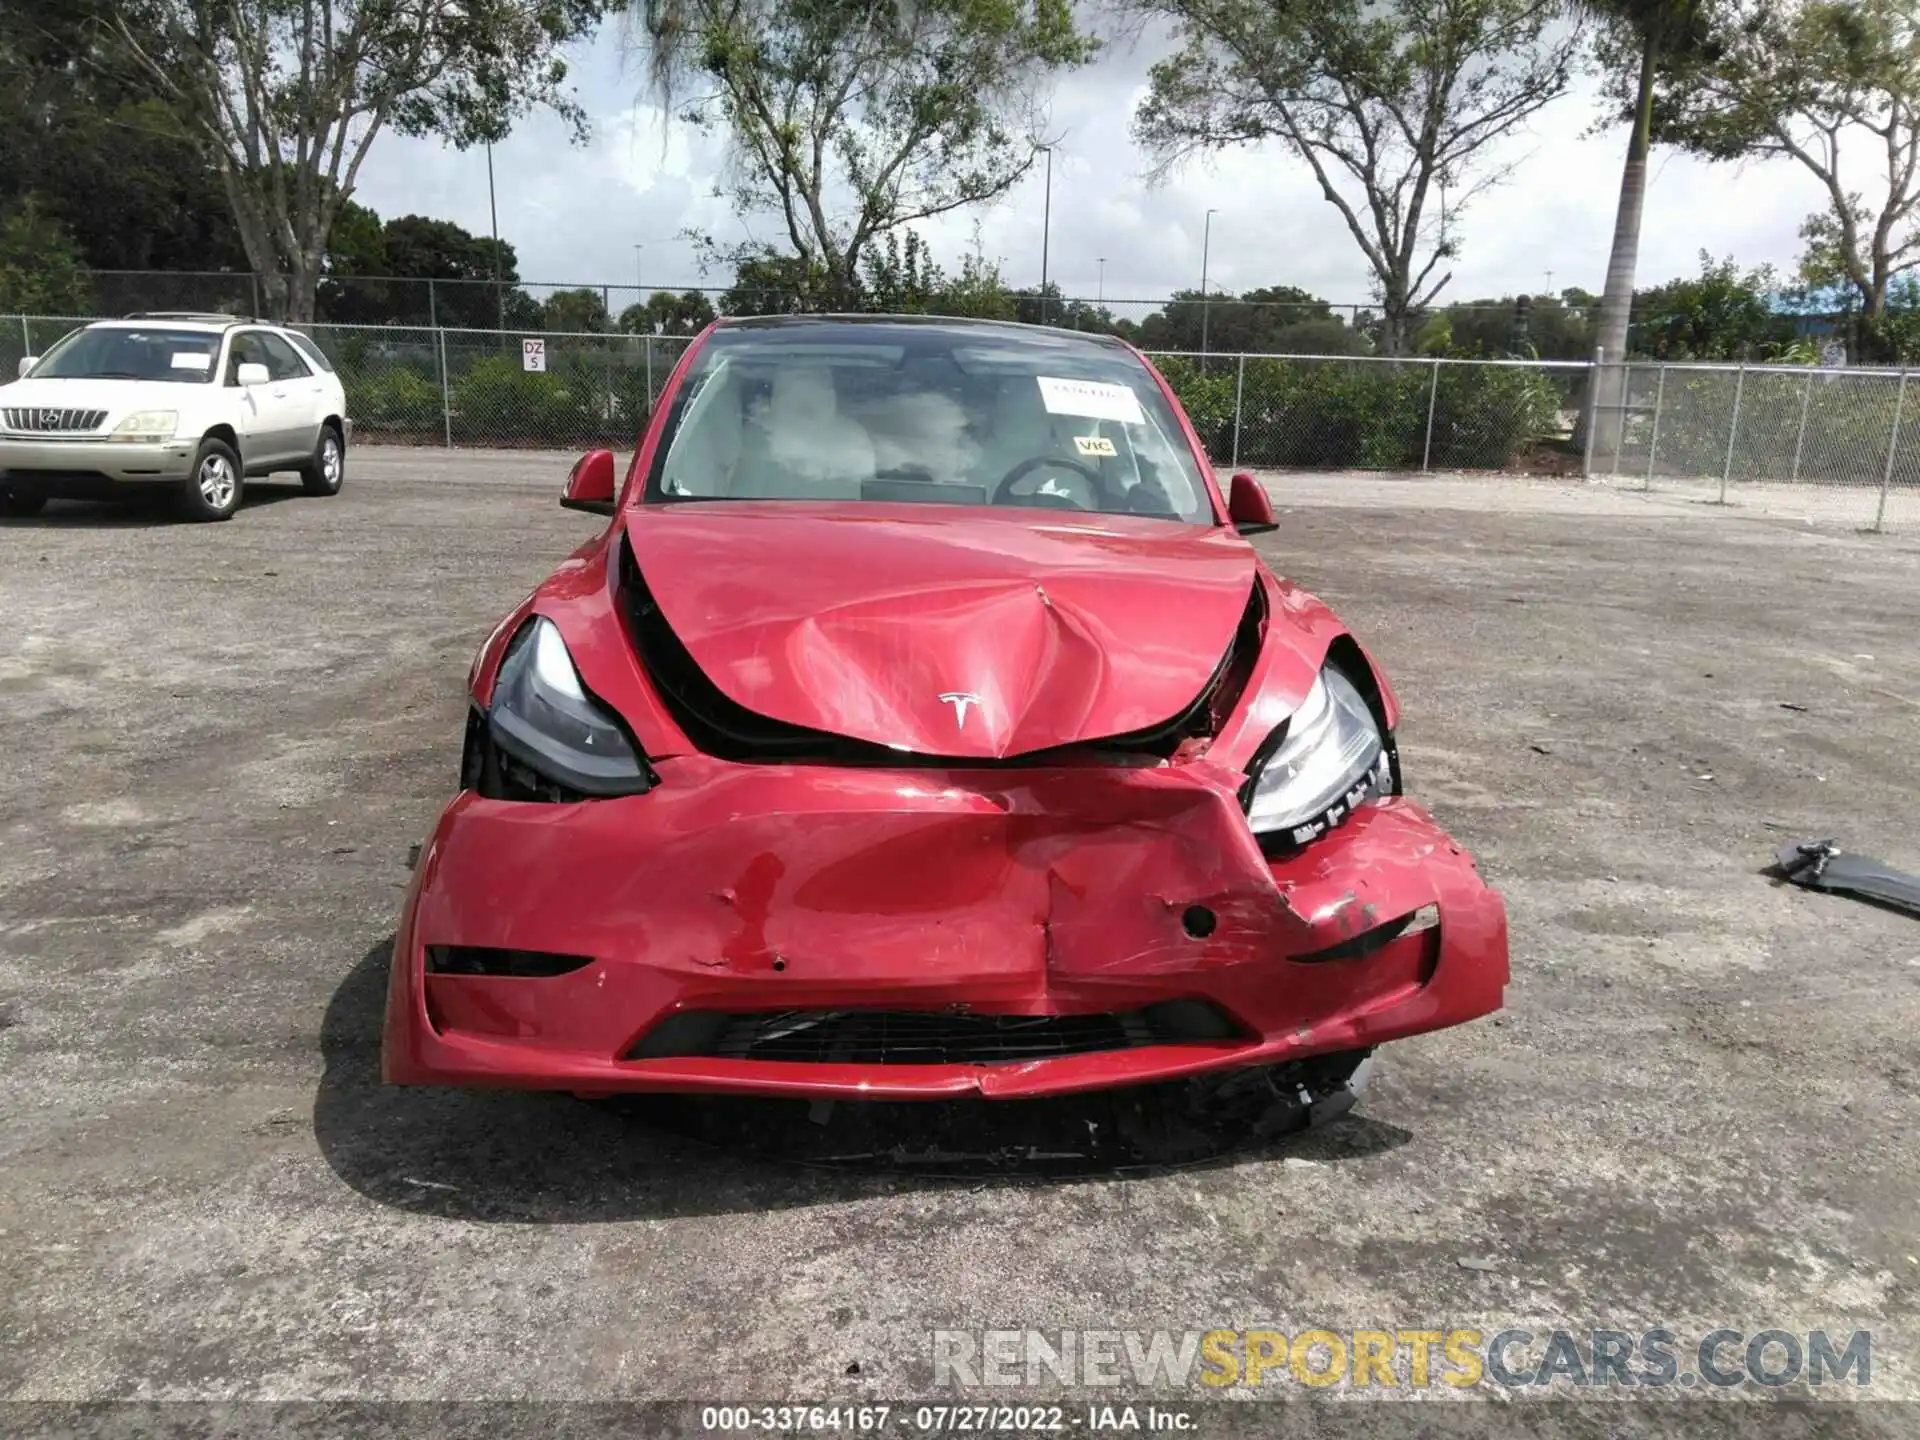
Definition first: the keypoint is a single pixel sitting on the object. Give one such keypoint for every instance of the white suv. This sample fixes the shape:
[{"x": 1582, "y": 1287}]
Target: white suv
[{"x": 190, "y": 403}]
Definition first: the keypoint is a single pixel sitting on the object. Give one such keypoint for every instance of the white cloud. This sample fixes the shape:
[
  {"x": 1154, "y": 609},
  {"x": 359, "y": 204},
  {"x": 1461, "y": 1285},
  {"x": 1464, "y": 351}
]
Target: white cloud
[{"x": 574, "y": 214}]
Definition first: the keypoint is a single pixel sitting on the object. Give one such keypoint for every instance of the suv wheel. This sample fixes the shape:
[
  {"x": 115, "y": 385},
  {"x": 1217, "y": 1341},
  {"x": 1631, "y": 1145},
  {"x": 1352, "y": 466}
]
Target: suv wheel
[
  {"x": 327, "y": 470},
  {"x": 212, "y": 491},
  {"x": 21, "y": 506}
]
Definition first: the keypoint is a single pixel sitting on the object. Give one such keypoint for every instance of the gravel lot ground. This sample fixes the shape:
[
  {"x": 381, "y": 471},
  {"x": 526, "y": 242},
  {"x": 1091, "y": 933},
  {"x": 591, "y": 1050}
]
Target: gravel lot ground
[{"x": 1699, "y": 1110}]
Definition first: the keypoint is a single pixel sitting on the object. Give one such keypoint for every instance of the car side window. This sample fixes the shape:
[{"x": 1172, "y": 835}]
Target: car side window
[
  {"x": 313, "y": 354},
  {"x": 245, "y": 350},
  {"x": 283, "y": 363}
]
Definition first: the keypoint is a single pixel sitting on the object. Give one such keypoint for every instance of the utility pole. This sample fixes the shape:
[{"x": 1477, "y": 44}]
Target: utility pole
[
  {"x": 1102, "y": 298},
  {"x": 1206, "y": 241},
  {"x": 1046, "y": 228},
  {"x": 493, "y": 214}
]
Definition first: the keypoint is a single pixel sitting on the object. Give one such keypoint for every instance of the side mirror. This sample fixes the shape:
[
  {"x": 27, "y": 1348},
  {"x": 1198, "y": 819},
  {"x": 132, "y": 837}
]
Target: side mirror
[
  {"x": 252, "y": 375},
  {"x": 1249, "y": 507},
  {"x": 590, "y": 484},
  {"x": 27, "y": 362}
]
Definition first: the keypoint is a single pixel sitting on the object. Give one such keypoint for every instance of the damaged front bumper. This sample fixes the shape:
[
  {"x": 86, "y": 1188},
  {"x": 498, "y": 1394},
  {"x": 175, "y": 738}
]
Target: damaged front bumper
[{"x": 875, "y": 934}]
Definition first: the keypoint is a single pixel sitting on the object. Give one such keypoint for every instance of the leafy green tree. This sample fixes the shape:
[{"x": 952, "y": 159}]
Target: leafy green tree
[
  {"x": 576, "y": 312},
  {"x": 41, "y": 270},
  {"x": 1721, "y": 314},
  {"x": 284, "y": 98},
  {"x": 901, "y": 277},
  {"x": 977, "y": 292},
  {"x": 665, "y": 313},
  {"x": 1272, "y": 320},
  {"x": 852, "y": 118},
  {"x": 1551, "y": 327},
  {"x": 768, "y": 282},
  {"x": 1819, "y": 82},
  {"x": 1391, "y": 104},
  {"x": 415, "y": 249},
  {"x": 103, "y": 160}
]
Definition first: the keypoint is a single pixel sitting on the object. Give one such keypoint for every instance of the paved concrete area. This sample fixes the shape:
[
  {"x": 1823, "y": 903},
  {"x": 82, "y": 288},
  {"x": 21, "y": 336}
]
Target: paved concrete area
[{"x": 1699, "y": 1109}]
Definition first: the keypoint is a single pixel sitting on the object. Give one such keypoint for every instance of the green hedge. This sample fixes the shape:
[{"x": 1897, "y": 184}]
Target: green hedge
[{"x": 1367, "y": 414}]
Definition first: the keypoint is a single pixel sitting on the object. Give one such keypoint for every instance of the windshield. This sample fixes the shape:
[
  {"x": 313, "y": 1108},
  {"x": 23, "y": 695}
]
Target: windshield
[
  {"x": 125, "y": 353},
  {"x": 950, "y": 415}
]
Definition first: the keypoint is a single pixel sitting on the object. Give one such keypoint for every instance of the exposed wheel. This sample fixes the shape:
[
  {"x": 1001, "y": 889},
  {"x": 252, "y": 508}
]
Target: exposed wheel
[
  {"x": 21, "y": 506},
  {"x": 327, "y": 470},
  {"x": 212, "y": 491}
]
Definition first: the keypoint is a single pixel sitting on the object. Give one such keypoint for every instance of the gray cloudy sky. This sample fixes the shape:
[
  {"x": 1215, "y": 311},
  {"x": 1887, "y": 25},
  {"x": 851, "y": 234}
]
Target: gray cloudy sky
[{"x": 574, "y": 214}]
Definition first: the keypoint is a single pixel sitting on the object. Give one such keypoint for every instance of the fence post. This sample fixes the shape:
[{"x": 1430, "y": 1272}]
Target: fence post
[
  {"x": 1620, "y": 430},
  {"x": 1239, "y": 405},
  {"x": 647, "y": 343},
  {"x": 446, "y": 388},
  {"x": 1886, "y": 480},
  {"x": 1733, "y": 430},
  {"x": 1433, "y": 402},
  {"x": 253, "y": 279},
  {"x": 1592, "y": 407},
  {"x": 26, "y": 337},
  {"x": 1800, "y": 445},
  {"x": 1659, "y": 402}
]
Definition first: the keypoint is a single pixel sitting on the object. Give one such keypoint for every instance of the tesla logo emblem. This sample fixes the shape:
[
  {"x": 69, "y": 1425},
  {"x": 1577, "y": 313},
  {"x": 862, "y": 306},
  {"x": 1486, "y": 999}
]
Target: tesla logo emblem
[{"x": 960, "y": 700}]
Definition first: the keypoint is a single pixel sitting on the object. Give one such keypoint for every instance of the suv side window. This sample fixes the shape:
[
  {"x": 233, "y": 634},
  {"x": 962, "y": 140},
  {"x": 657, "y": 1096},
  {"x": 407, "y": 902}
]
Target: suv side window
[
  {"x": 247, "y": 349},
  {"x": 282, "y": 362},
  {"x": 315, "y": 356}
]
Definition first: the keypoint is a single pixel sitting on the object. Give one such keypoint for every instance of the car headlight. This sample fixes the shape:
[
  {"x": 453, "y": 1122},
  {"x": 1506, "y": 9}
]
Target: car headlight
[
  {"x": 543, "y": 717},
  {"x": 146, "y": 427},
  {"x": 1333, "y": 757}
]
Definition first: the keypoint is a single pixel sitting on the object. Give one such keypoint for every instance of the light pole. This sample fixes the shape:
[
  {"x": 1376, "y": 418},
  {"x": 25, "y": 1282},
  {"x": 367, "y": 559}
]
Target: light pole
[
  {"x": 1046, "y": 228},
  {"x": 1206, "y": 240},
  {"x": 493, "y": 215},
  {"x": 1102, "y": 295}
]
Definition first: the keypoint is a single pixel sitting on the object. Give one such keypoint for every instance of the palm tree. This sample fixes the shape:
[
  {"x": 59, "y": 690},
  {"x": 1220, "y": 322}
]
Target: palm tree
[{"x": 1664, "y": 34}]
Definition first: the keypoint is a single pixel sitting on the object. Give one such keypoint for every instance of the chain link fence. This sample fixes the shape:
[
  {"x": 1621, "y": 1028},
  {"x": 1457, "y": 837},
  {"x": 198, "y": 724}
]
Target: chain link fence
[
  {"x": 473, "y": 387},
  {"x": 1368, "y": 413},
  {"x": 1826, "y": 444},
  {"x": 1830, "y": 444}
]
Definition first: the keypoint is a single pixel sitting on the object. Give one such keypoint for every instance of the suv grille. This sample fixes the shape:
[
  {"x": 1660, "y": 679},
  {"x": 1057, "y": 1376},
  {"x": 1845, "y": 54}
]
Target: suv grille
[{"x": 35, "y": 420}]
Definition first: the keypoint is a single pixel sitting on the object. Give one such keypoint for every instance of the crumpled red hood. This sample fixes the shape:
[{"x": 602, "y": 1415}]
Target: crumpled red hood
[{"x": 944, "y": 630}]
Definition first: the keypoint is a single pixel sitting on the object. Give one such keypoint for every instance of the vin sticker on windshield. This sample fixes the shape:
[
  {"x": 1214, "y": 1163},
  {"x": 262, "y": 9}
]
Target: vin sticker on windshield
[
  {"x": 1090, "y": 399},
  {"x": 1094, "y": 445}
]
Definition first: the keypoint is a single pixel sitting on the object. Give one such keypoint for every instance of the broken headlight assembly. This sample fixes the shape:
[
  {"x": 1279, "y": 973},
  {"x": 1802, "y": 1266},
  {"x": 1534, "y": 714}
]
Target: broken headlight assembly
[
  {"x": 543, "y": 719},
  {"x": 1330, "y": 756}
]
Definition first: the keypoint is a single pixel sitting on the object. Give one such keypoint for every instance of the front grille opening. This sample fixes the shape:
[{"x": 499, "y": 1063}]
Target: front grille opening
[
  {"x": 927, "y": 1037},
  {"x": 518, "y": 964},
  {"x": 722, "y": 727}
]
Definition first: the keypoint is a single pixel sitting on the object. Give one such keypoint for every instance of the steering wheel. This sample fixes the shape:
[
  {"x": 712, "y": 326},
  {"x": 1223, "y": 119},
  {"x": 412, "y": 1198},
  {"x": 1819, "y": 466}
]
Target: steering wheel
[{"x": 1003, "y": 492}]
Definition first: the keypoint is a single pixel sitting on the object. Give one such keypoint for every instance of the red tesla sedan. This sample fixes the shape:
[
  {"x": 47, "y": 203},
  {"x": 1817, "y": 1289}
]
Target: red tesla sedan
[{"x": 923, "y": 725}]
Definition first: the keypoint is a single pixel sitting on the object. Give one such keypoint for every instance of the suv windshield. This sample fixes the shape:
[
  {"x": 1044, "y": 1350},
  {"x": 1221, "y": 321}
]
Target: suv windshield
[
  {"x": 120, "y": 352},
  {"x": 940, "y": 414}
]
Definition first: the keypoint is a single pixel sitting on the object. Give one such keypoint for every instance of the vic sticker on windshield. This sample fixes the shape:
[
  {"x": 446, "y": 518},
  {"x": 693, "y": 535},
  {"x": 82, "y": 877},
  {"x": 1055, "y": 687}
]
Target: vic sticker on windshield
[{"x": 1091, "y": 399}]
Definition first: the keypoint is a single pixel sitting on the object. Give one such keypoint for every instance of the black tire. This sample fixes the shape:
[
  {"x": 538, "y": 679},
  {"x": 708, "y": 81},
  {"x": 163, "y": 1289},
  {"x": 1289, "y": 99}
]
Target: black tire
[
  {"x": 19, "y": 507},
  {"x": 212, "y": 490},
  {"x": 321, "y": 475}
]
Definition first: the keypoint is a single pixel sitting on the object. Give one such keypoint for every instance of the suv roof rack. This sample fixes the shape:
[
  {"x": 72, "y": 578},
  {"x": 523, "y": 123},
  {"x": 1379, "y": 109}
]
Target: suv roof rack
[{"x": 211, "y": 316}]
